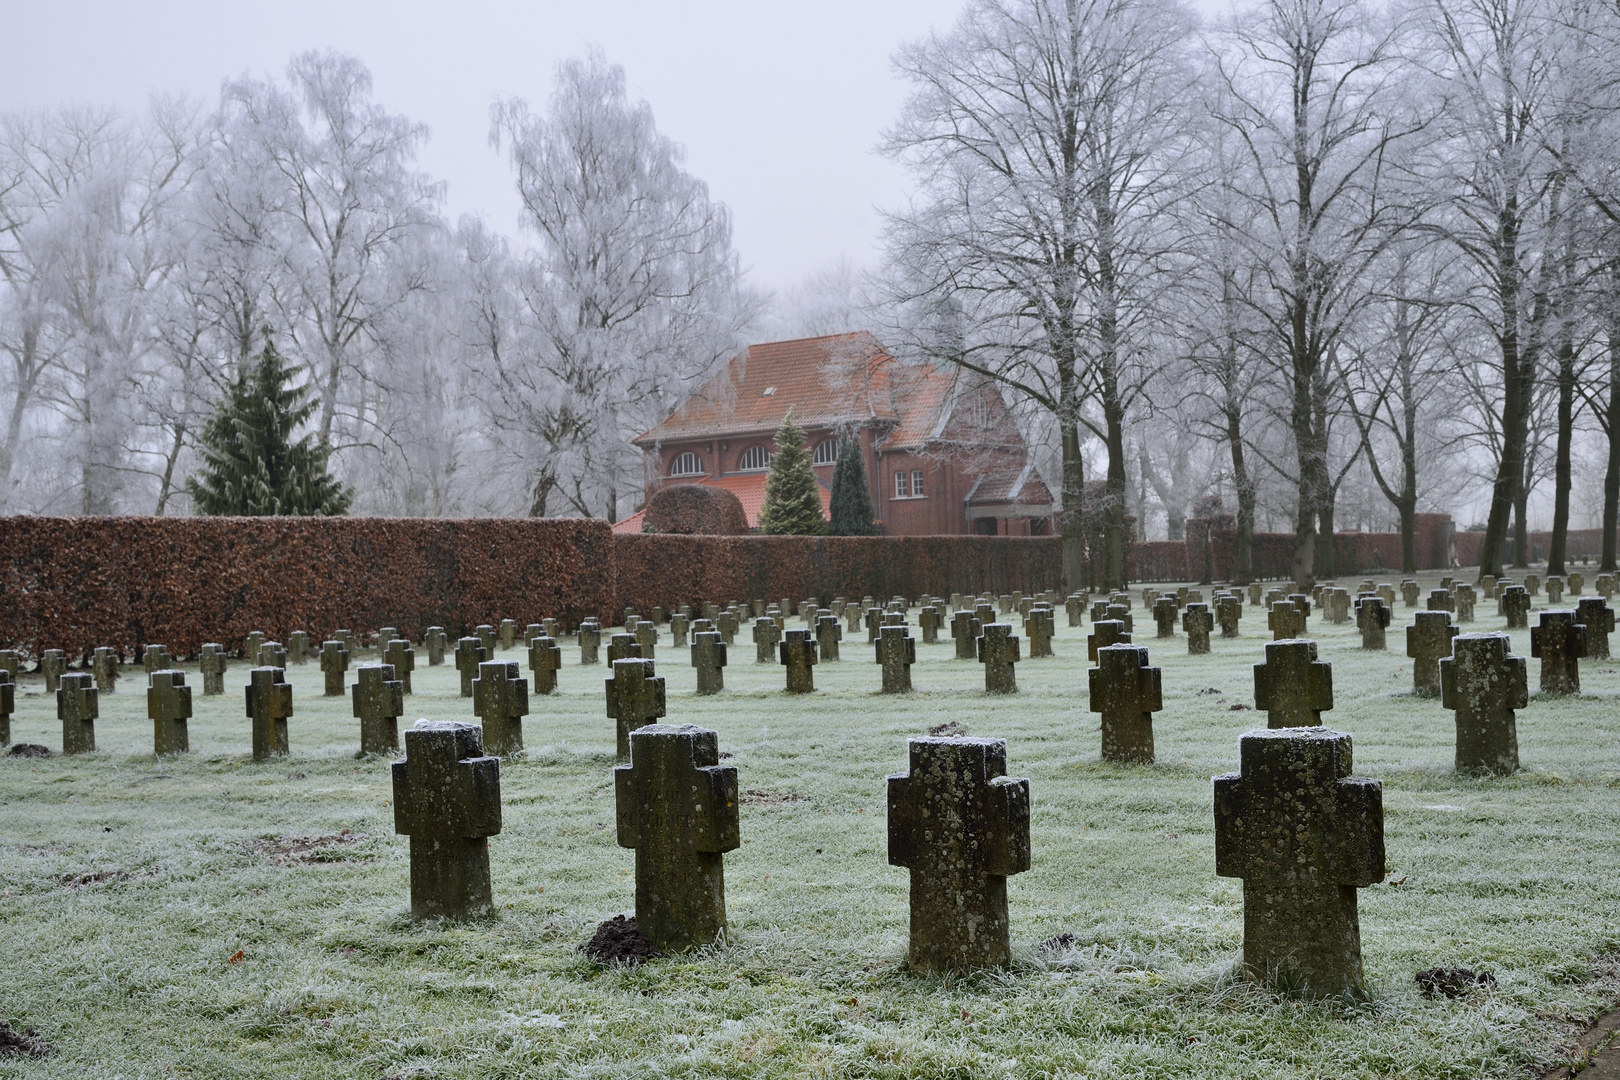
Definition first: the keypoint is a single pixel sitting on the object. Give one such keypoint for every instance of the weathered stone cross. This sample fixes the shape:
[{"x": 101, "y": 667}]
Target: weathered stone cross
[
  {"x": 1103, "y": 634},
  {"x": 104, "y": 663},
  {"x": 398, "y": 654},
  {"x": 1039, "y": 626},
  {"x": 767, "y": 632},
  {"x": 447, "y": 799},
  {"x": 1285, "y": 621},
  {"x": 1484, "y": 683},
  {"x": 709, "y": 657},
  {"x": 269, "y": 705},
  {"x": 334, "y": 662},
  {"x": 379, "y": 701},
  {"x": 1558, "y": 642},
  {"x": 828, "y": 634},
  {"x": 896, "y": 651},
  {"x": 590, "y": 641},
  {"x": 211, "y": 663},
  {"x": 635, "y": 698},
  {"x": 168, "y": 706},
  {"x": 1197, "y": 621},
  {"x": 1372, "y": 618},
  {"x": 1165, "y": 610},
  {"x": 501, "y": 701},
  {"x": 1598, "y": 618},
  {"x": 798, "y": 655},
  {"x": 998, "y": 652},
  {"x": 1293, "y": 686},
  {"x": 78, "y": 707},
  {"x": 53, "y": 663},
  {"x": 1515, "y": 604},
  {"x": 545, "y": 660},
  {"x": 434, "y": 639},
  {"x": 965, "y": 630},
  {"x": 1427, "y": 640},
  {"x": 1127, "y": 692},
  {"x": 1228, "y": 612}
]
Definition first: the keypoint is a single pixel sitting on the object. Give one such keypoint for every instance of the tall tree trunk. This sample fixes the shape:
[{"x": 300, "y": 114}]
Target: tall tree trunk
[
  {"x": 166, "y": 488},
  {"x": 1072, "y": 517},
  {"x": 1510, "y": 468},
  {"x": 1114, "y": 504},
  {"x": 1561, "y": 465},
  {"x": 1611, "y": 478},
  {"x": 1244, "y": 572}
]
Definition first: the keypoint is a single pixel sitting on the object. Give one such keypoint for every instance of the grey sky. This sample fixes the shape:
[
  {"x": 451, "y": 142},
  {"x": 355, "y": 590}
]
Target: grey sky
[{"x": 778, "y": 105}]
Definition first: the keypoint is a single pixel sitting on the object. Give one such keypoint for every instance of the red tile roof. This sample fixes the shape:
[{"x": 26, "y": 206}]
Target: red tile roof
[
  {"x": 1016, "y": 485},
  {"x": 748, "y": 487}
]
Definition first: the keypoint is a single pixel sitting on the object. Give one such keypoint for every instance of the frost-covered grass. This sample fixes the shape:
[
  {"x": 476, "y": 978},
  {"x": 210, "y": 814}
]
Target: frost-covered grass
[{"x": 132, "y": 975}]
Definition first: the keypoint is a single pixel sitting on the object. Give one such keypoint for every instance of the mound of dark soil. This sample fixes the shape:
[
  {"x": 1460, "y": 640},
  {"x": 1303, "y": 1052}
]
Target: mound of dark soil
[
  {"x": 617, "y": 941},
  {"x": 1059, "y": 943},
  {"x": 1452, "y": 982},
  {"x": 29, "y": 749},
  {"x": 15, "y": 1043}
]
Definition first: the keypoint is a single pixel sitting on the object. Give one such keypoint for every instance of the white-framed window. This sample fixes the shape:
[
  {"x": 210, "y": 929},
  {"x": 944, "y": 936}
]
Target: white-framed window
[
  {"x": 755, "y": 459},
  {"x": 916, "y": 484},
  {"x": 826, "y": 452},
  {"x": 902, "y": 485},
  {"x": 687, "y": 464}
]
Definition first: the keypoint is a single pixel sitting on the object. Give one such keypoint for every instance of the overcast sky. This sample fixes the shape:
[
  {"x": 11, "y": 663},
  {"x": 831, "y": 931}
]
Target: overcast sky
[{"x": 778, "y": 105}]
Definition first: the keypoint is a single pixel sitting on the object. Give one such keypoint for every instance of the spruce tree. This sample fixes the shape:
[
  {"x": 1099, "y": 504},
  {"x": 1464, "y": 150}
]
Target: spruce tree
[
  {"x": 792, "y": 496},
  {"x": 252, "y": 467},
  {"x": 851, "y": 499}
]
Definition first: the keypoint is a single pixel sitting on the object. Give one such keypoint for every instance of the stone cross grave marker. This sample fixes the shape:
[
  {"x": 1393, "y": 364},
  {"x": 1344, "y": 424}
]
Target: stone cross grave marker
[
  {"x": 168, "y": 706},
  {"x": 1229, "y": 612},
  {"x": 590, "y": 640},
  {"x": 828, "y": 634},
  {"x": 78, "y": 707},
  {"x": 1597, "y": 616},
  {"x": 486, "y": 635},
  {"x": 548, "y": 627},
  {"x": 1555, "y": 590},
  {"x": 53, "y": 663},
  {"x": 1515, "y": 608},
  {"x": 896, "y": 652},
  {"x": 104, "y": 665},
  {"x": 1484, "y": 683},
  {"x": 1121, "y": 613},
  {"x": 1386, "y": 592},
  {"x": 679, "y": 624},
  {"x": 1487, "y": 585},
  {"x": 998, "y": 652},
  {"x": 854, "y": 615},
  {"x": 447, "y": 799},
  {"x": 532, "y": 631},
  {"x": 1127, "y": 692},
  {"x": 1293, "y": 686},
  {"x": 1372, "y": 619},
  {"x": 269, "y": 705},
  {"x": 635, "y": 698},
  {"x": 965, "y": 631},
  {"x": 211, "y": 663},
  {"x": 1165, "y": 610},
  {"x": 1285, "y": 621},
  {"x": 153, "y": 658},
  {"x": 623, "y": 647},
  {"x": 8, "y": 704},
  {"x": 272, "y": 654},
  {"x": 1605, "y": 585},
  {"x": 1099, "y": 611},
  {"x": 1197, "y": 621},
  {"x": 1410, "y": 592},
  {"x": 1074, "y": 606},
  {"x": 767, "y": 632},
  {"x": 1427, "y": 640},
  {"x": 298, "y": 646},
  {"x": 709, "y": 658},
  {"x": 398, "y": 654},
  {"x": 379, "y": 701},
  {"x": 470, "y": 652},
  {"x": 1256, "y": 594},
  {"x": 1463, "y": 595},
  {"x": 646, "y": 632},
  {"x": 434, "y": 639},
  {"x": 1532, "y": 584},
  {"x": 677, "y": 807},
  {"x": 872, "y": 620},
  {"x": 508, "y": 633},
  {"x": 960, "y": 825},
  {"x": 630, "y": 618},
  {"x": 928, "y": 620},
  {"x": 11, "y": 662},
  {"x": 350, "y": 642},
  {"x": 250, "y": 648},
  {"x": 726, "y": 622},
  {"x": 385, "y": 634},
  {"x": 545, "y": 660},
  {"x": 798, "y": 654},
  {"x": 1103, "y": 634},
  {"x": 334, "y": 662},
  {"x": 1304, "y": 835},
  {"x": 501, "y": 701},
  {"x": 1558, "y": 642},
  {"x": 1338, "y": 606},
  {"x": 1576, "y": 583},
  {"x": 1039, "y": 626}
]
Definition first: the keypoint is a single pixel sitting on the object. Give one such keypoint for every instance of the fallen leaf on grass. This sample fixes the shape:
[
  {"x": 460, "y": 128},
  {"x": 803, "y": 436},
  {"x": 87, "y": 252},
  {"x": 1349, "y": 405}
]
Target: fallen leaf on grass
[{"x": 237, "y": 957}]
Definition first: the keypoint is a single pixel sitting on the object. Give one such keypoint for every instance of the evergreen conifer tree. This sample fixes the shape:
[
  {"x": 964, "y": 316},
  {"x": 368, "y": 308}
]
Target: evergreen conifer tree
[
  {"x": 792, "y": 496},
  {"x": 851, "y": 499},
  {"x": 252, "y": 467}
]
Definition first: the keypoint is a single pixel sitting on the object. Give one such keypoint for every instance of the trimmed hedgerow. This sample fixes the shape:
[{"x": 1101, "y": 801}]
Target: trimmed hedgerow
[{"x": 685, "y": 509}]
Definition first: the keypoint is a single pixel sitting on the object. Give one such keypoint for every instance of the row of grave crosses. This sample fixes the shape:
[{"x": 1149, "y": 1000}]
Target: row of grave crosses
[{"x": 1300, "y": 830}]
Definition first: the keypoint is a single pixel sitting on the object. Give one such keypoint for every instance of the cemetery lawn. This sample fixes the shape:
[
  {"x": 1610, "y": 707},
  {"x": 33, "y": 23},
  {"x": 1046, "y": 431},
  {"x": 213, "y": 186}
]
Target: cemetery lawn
[{"x": 207, "y": 916}]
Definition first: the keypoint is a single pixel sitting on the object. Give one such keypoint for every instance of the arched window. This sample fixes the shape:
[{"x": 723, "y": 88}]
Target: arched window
[
  {"x": 755, "y": 459},
  {"x": 827, "y": 452},
  {"x": 687, "y": 464}
]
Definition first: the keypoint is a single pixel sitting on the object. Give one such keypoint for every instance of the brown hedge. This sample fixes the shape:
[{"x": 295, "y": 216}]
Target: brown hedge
[
  {"x": 78, "y": 583},
  {"x": 686, "y": 509},
  {"x": 672, "y": 570}
]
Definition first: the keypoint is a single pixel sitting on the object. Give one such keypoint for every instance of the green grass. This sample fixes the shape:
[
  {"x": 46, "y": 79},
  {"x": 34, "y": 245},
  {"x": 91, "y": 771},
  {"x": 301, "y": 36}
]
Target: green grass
[{"x": 131, "y": 976}]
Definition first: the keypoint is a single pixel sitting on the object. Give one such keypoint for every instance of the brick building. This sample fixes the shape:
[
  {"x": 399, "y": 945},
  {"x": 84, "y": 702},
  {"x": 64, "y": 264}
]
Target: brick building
[{"x": 942, "y": 454}]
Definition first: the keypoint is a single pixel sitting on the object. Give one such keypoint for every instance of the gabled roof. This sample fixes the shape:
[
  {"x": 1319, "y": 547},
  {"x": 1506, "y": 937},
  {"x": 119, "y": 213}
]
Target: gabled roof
[
  {"x": 826, "y": 381},
  {"x": 1010, "y": 485}
]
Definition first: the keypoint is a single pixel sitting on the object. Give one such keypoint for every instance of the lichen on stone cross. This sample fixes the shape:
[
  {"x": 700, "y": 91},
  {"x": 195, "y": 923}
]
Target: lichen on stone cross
[
  {"x": 104, "y": 665},
  {"x": 872, "y": 620},
  {"x": 589, "y": 637},
  {"x": 1099, "y": 611},
  {"x": 709, "y": 658},
  {"x": 250, "y": 647},
  {"x": 1555, "y": 590},
  {"x": 269, "y": 705},
  {"x": 271, "y": 654},
  {"x": 1464, "y": 596},
  {"x": 635, "y": 698},
  {"x": 726, "y": 622},
  {"x": 1427, "y": 640},
  {"x": 679, "y": 624},
  {"x": 168, "y": 706},
  {"x": 1576, "y": 583},
  {"x": 767, "y": 632},
  {"x": 1126, "y": 691},
  {"x": 928, "y": 620},
  {"x": 677, "y": 807},
  {"x": 1598, "y": 617},
  {"x": 965, "y": 632},
  {"x": 1532, "y": 584},
  {"x": 447, "y": 799},
  {"x": 486, "y": 635},
  {"x": 998, "y": 652},
  {"x": 435, "y": 639},
  {"x": 334, "y": 662},
  {"x": 960, "y": 826},
  {"x": 623, "y": 646},
  {"x": 1121, "y": 613},
  {"x": 501, "y": 701},
  {"x": 1256, "y": 593},
  {"x": 1197, "y": 621},
  {"x": 77, "y": 706},
  {"x": 1559, "y": 642},
  {"x": 1372, "y": 619},
  {"x": 1103, "y": 634},
  {"x": 379, "y": 702},
  {"x": 798, "y": 653},
  {"x": 1304, "y": 835},
  {"x": 1165, "y": 610},
  {"x": 508, "y": 633},
  {"x": 646, "y": 632},
  {"x": 385, "y": 634},
  {"x": 896, "y": 652},
  {"x": 211, "y": 663},
  {"x": 298, "y": 646},
  {"x": 53, "y": 664},
  {"x": 1440, "y": 600},
  {"x": 1229, "y": 613},
  {"x": 532, "y": 631},
  {"x": 1293, "y": 686},
  {"x": 545, "y": 661},
  {"x": 1285, "y": 621},
  {"x": 1605, "y": 585},
  {"x": 1484, "y": 683},
  {"x": 1039, "y": 626},
  {"x": 398, "y": 654},
  {"x": 1074, "y": 606},
  {"x": 1410, "y": 592},
  {"x": 828, "y": 634},
  {"x": 470, "y": 652}
]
